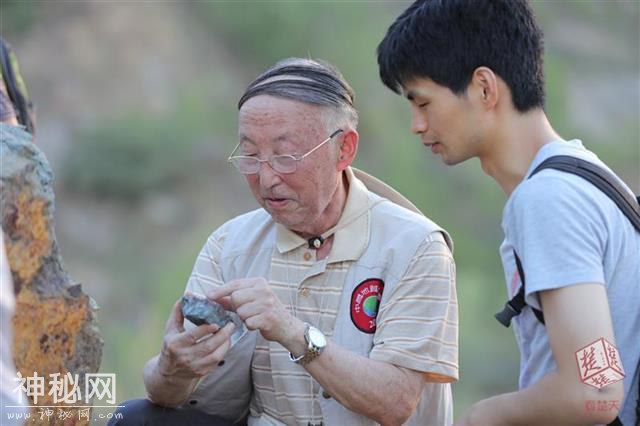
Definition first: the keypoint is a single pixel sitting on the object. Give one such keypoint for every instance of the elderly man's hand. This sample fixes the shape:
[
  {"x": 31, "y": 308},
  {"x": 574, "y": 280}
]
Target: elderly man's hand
[
  {"x": 256, "y": 304},
  {"x": 185, "y": 354}
]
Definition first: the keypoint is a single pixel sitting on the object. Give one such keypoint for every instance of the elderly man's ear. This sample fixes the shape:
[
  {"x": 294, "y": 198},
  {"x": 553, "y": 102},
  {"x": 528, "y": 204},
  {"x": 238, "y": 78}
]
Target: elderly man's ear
[{"x": 348, "y": 148}]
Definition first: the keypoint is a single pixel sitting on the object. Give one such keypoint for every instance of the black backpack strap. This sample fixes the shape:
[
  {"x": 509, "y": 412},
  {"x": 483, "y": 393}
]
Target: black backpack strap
[
  {"x": 514, "y": 306},
  {"x": 601, "y": 179},
  {"x": 616, "y": 422}
]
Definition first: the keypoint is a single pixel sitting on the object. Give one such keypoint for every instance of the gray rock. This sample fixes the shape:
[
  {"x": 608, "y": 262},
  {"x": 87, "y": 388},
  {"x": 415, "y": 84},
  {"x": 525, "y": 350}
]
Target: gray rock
[{"x": 203, "y": 311}]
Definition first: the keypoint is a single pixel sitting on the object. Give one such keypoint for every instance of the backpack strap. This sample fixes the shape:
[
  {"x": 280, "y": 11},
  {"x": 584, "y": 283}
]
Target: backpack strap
[
  {"x": 514, "y": 306},
  {"x": 601, "y": 179},
  {"x": 617, "y": 422}
]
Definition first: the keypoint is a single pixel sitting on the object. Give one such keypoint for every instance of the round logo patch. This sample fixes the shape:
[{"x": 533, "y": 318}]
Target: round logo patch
[{"x": 365, "y": 301}]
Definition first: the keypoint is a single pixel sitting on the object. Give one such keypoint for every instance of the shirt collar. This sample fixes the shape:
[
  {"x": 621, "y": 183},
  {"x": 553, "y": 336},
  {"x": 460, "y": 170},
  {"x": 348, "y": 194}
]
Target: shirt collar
[{"x": 351, "y": 234}]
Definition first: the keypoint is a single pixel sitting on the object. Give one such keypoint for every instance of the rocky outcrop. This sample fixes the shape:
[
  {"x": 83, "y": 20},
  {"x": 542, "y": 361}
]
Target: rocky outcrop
[{"x": 55, "y": 328}]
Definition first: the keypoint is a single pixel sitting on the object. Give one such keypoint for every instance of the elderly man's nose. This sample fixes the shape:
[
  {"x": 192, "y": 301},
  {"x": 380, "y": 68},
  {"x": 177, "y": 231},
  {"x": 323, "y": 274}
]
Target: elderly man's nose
[{"x": 268, "y": 176}]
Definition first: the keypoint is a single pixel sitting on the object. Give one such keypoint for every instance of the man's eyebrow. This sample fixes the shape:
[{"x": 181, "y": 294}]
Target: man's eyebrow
[
  {"x": 288, "y": 136},
  {"x": 410, "y": 95},
  {"x": 245, "y": 138},
  {"x": 281, "y": 138},
  {"x": 414, "y": 94}
]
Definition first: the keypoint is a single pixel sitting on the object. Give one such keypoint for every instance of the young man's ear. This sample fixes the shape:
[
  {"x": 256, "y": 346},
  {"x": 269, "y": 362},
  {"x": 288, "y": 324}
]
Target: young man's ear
[
  {"x": 348, "y": 141},
  {"x": 484, "y": 87}
]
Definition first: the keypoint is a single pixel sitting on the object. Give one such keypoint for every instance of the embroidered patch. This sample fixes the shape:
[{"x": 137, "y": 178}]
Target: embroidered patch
[{"x": 365, "y": 301}]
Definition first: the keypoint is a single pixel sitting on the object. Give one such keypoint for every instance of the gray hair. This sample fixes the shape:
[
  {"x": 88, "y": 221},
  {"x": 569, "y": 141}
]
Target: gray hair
[{"x": 309, "y": 81}]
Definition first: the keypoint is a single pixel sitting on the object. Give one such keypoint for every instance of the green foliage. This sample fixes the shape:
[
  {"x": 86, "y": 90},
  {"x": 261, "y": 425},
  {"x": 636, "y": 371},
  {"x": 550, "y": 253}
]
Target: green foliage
[
  {"x": 233, "y": 22},
  {"x": 17, "y": 16},
  {"x": 134, "y": 154},
  {"x": 264, "y": 32},
  {"x": 150, "y": 299},
  {"x": 556, "y": 90}
]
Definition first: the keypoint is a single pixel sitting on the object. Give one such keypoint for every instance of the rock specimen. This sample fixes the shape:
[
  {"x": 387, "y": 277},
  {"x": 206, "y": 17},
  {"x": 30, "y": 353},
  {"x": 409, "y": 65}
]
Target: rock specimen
[{"x": 203, "y": 311}]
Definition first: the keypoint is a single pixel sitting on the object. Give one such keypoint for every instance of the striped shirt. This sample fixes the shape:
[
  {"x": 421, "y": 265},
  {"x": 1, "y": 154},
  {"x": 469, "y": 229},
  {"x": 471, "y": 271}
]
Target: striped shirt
[
  {"x": 311, "y": 291},
  {"x": 416, "y": 324}
]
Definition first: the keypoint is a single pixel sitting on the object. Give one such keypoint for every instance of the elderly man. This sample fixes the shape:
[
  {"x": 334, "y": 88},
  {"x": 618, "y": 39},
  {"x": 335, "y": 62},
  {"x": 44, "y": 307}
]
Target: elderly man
[{"x": 347, "y": 299}]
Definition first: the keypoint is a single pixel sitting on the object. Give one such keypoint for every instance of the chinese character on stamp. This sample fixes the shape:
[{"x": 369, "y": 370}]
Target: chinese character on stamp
[
  {"x": 599, "y": 364},
  {"x": 601, "y": 405}
]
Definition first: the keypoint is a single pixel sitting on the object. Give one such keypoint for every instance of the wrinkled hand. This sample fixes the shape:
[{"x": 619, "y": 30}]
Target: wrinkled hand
[
  {"x": 254, "y": 302},
  {"x": 184, "y": 355}
]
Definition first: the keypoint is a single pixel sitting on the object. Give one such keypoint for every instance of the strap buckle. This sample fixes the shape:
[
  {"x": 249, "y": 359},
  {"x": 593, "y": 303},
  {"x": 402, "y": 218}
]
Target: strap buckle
[{"x": 506, "y": 314}]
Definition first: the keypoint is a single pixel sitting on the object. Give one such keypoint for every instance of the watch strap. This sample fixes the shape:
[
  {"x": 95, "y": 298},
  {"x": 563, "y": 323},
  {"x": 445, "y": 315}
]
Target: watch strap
[{"x": 310, "y": 354}]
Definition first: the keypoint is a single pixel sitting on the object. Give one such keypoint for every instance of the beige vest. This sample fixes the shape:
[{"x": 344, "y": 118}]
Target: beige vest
[{"x": 227, "y": 391}]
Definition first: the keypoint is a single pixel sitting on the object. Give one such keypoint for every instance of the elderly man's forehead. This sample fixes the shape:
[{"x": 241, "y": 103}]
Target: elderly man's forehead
[
  {"x": 271, "y": 107},
  {"x": 276, "y": 118}
]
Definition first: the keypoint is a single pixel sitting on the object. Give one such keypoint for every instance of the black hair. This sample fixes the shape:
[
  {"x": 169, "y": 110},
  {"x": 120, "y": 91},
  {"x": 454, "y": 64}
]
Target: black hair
[{"x": 446, "y": 40}]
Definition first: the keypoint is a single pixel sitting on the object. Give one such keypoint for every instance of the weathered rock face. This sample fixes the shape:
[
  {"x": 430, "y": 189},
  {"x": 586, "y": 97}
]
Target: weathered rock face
[{"x": 54, "y": 326}]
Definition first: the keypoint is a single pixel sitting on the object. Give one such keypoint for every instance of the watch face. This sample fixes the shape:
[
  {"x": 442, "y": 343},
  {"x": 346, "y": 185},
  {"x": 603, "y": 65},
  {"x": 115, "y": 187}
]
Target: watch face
[{"x": 317, "y": 338}]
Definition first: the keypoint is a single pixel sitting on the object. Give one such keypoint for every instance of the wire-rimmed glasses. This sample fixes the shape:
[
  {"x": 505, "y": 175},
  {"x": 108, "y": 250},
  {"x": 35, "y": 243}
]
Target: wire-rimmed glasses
[{"x": 249, "y": 165}]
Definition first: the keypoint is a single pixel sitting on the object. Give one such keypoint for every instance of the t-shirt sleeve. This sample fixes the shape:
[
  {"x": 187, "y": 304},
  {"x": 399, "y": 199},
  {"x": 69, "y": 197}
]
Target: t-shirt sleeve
[
  {"x": 559, "y": 233},
  {"x": 417, "y": 324}
]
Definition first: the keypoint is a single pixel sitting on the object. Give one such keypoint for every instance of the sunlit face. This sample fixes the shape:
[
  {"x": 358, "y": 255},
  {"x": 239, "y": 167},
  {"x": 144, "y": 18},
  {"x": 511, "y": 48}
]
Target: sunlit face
[
  {"x": 448, "y": 124},
  {"x": 275, "y": 126}
]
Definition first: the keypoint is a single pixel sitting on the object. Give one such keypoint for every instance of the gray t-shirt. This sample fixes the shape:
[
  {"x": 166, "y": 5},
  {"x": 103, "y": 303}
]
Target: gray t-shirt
[{"x": 566, "y": 232}]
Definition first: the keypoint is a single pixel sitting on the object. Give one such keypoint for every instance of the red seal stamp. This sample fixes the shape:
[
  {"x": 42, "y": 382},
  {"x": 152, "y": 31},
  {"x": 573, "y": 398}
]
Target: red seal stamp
[
  {"x": 599, "y": 364},
  {"x": 365, "y": 301}
]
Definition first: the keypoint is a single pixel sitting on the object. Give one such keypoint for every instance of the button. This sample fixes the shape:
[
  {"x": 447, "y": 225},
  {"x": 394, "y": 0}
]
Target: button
[
  {"x": 221, "y": 363},
  {"x": 305, "y": 292},
  {"x": 307, "y": 256},
  {"x": 326, "y": 395},
  {"x": 193, "y": 402}
]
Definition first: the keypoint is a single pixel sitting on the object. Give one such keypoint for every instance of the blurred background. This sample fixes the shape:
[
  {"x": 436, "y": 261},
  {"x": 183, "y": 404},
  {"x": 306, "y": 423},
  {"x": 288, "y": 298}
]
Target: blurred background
[{"x": 136, "y": 107}]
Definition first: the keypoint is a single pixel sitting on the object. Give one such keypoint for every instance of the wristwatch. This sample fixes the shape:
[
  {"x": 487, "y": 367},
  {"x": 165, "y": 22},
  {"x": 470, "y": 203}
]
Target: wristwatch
[{"x": 316, "y": 343}]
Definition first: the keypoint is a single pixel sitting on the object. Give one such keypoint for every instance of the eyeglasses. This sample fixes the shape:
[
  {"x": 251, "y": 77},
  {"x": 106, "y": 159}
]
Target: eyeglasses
[{"x": 280, "y": 163}]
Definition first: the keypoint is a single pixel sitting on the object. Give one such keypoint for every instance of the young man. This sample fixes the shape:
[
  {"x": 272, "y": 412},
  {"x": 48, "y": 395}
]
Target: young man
[{"x": 473, "y": 74}]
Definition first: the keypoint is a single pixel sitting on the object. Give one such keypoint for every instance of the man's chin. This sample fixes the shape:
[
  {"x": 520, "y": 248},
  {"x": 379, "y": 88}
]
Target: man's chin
[
  {"x": 280, "y": 218},
  {"x": 452, "y": 161},
  {"x": 289, "y": 222}
]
